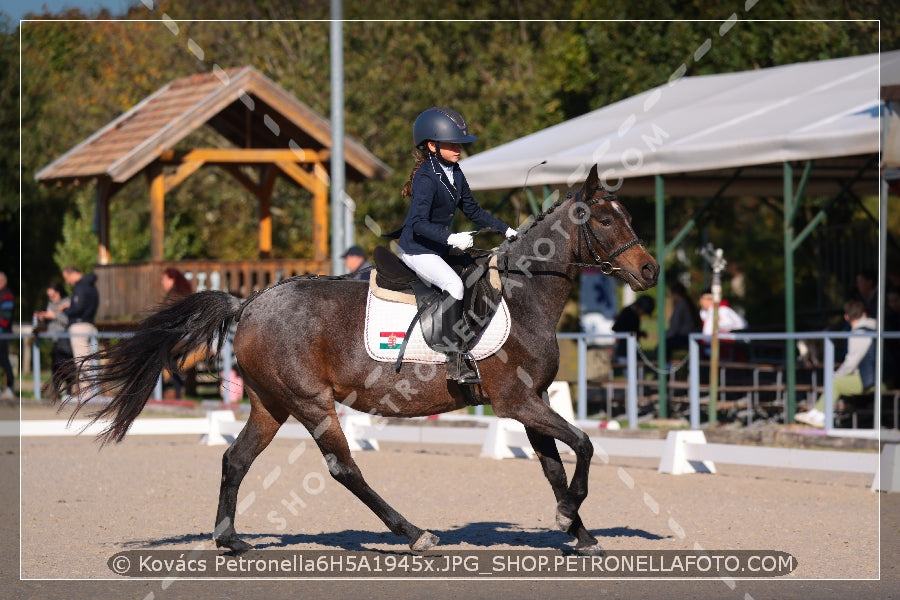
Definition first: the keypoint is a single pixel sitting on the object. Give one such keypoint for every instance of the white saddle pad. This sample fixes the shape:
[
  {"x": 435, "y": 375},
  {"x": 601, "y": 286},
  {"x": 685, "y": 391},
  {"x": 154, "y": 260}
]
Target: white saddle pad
[{"x": 387, "y": 322}]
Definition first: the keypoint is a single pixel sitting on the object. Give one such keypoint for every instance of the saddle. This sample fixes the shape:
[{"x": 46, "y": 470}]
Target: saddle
[{"x": 480, "y": 301}]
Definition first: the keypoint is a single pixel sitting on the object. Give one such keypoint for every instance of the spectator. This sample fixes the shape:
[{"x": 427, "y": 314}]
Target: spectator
[
  {"x": 867, "y": 291},
  {"x": 358, "y": 266},
  {"x": 7, "y": 309},
  {"x": 684, "y": 320},
  {"x": 54, "y": 320},
  {"x": 729, "y": 319},
  {"x": 856, "y": 374},
  {"x": 81, "y": 310},
  {"x": 175, "y": 284},
  {"x": 629, "y": 321}
]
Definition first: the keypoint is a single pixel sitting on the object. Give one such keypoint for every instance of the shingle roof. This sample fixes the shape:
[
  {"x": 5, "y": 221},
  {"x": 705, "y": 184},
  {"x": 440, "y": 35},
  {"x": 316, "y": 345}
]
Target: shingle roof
[{"x": 241, "y": 104}]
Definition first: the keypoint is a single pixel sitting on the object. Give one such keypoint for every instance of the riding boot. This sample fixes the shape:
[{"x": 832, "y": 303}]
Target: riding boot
[{"x": 457, "y": 349}]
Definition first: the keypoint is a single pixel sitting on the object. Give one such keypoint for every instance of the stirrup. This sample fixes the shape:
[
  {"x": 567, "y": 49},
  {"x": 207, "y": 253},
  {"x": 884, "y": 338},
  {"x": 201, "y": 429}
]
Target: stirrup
[{"x": 461, "y": 372}]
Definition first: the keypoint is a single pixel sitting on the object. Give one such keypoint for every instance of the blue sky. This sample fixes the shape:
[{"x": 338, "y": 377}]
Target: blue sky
[{"x": 16, "y": 9}]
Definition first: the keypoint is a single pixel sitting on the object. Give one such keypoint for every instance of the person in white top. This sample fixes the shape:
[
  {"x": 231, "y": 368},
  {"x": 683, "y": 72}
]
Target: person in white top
[{"x": 729, "y": 319}]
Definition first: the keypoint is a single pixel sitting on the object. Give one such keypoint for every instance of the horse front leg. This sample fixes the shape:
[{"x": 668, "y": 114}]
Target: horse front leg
[
  {"x": 254, "y": 437},
  {"x": 542, "y": 422},
  {"x": 551, "y": 463}
]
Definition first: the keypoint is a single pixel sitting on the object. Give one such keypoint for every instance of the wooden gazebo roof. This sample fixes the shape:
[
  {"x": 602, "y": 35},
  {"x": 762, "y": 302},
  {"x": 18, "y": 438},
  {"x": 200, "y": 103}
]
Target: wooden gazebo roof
[{"x": 267, "y": 126}]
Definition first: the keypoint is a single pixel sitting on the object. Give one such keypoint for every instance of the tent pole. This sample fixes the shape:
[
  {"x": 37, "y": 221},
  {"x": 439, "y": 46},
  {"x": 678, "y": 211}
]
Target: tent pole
[
  {"x": 789, "y": 320},
  {"x": 661, "y": 295}
]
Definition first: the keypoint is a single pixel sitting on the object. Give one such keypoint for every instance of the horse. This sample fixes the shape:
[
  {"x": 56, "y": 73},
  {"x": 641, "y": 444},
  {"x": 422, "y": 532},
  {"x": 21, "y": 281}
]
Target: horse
[{"x": 299, "y": 348}]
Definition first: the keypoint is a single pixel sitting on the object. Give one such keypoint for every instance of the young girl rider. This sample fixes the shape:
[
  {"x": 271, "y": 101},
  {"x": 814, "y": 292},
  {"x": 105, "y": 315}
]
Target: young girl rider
[{"x": 436, "y": 188}]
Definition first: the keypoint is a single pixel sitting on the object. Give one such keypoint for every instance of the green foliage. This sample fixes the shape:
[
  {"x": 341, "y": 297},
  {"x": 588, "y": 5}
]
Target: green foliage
[
  {"x": 78, "y": 246},
  {"x": 519, "y": 68}
]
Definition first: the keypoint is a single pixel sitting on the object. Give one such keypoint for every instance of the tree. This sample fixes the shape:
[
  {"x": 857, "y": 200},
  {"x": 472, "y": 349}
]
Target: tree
[{"x": 508, "y": 77}]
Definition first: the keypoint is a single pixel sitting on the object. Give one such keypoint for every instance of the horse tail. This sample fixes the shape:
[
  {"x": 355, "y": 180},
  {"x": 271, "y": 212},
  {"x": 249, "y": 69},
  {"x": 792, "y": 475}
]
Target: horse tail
[{"x": 129, "y": 369}]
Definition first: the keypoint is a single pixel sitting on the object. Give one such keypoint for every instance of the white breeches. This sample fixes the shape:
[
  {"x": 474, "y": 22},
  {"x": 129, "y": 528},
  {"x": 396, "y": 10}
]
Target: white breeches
[{"x": 435, "y": 271}]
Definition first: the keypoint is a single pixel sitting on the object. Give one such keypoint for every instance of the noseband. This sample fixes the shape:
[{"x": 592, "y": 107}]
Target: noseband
[{"x": 587, "y": 235}]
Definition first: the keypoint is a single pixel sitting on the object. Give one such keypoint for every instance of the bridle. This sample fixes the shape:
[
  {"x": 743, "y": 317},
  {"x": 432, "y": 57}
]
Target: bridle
[{"x": 587, "y": 235}]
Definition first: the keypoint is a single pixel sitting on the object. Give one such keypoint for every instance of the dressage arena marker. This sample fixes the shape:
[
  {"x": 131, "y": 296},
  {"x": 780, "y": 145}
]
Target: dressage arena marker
[
  {"x": 215, "y": 420},
  {"x": 354, "y": 426},
  {"x": 682, "y": 452},
  {"x": 887, "y": 479},
  {"x": 677, "y": 456}
]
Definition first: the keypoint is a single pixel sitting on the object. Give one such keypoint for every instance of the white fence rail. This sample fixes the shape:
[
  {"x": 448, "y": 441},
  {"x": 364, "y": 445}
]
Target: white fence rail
[
  {"x": 582, "y": 339},
  {"x": 684, "y": 451}
]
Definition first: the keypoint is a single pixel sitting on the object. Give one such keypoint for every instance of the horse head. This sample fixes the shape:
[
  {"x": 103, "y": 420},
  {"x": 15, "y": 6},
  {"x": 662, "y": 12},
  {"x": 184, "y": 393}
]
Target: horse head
[{"x": 606, "y": 238}]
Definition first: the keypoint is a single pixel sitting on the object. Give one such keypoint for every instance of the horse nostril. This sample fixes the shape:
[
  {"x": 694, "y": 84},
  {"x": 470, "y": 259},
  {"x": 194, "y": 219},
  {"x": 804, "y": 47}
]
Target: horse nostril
[{"x": 650, "y": 271}]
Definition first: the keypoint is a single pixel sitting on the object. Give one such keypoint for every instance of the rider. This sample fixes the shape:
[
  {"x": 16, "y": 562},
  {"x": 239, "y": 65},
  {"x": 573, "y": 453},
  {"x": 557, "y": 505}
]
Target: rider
[{"x": 437, "y": 187}]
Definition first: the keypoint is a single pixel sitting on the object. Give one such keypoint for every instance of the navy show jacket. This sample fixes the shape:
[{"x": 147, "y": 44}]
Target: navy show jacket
[{"x": 433, "y": 205}]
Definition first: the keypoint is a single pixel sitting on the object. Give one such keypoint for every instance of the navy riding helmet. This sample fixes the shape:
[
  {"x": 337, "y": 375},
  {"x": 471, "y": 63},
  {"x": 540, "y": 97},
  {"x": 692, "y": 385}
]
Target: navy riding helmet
[{"x": 441, "y": 124}]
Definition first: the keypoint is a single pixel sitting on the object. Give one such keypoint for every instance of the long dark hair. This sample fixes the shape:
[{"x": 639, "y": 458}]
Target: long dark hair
[
  {"x": 181, "y": 287},
  {"x": 419, "y": 155}
]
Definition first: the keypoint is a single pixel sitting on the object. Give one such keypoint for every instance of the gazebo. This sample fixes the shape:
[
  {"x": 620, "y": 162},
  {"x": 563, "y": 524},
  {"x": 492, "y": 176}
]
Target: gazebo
[{"x": 268, "y": 129}]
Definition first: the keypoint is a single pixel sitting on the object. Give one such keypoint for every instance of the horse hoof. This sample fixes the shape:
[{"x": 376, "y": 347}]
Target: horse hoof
[
  {"x": 425, "y": 542},
  {"x": 563, "y": 522},
  {"x": 595, "y": 550},
  {"x": 236, "y": 545}
]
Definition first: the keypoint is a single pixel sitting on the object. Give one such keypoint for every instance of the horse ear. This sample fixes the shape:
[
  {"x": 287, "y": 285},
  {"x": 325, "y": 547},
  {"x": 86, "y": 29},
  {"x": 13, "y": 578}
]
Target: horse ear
[{"x": 592, "y": 180}]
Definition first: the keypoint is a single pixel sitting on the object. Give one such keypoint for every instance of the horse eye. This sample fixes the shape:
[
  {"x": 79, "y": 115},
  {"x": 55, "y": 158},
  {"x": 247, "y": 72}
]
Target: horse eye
[{"x": 606, "y": 221}]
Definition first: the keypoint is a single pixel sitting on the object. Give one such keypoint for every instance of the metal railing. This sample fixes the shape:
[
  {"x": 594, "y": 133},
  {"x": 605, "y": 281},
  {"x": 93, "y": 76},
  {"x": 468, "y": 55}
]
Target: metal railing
[
  {"x": 827, "y": 366},
  {"x": 582, "y": 339}
]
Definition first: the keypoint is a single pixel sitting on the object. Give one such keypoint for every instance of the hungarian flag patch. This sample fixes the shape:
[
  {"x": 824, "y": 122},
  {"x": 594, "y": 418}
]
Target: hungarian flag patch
[{"x": 391, "y": 340}]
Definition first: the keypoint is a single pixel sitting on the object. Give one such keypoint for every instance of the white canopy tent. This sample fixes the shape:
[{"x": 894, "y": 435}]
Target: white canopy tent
[
  {"x": 726, "y": 134},
  {"x": 802, "y": 111}
]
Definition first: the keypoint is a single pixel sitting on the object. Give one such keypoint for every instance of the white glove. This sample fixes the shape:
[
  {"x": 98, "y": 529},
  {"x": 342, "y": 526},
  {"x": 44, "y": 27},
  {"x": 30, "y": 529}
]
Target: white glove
[
  {"x": 461, "y": 241},
  {"x": 511, "y": 233}
]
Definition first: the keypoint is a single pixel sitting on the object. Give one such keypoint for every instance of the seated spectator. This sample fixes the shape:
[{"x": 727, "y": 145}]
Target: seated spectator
[
  {"x": 856, "y": 375},
  {"x": 729, "y": 321}
]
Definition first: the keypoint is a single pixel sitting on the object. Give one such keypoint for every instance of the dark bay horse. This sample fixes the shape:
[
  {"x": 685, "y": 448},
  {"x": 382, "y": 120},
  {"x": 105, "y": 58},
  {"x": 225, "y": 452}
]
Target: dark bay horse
[{"x": 299, "y": 346}]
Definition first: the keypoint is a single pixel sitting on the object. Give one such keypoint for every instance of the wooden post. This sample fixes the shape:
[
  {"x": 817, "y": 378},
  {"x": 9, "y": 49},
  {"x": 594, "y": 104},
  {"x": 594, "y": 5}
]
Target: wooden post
[
  {"x": 157, "y": 212},
  {"x": 317, "y": 184},
  {"x": 104, "y": 187},
  {"x": 320, "y": 220},
  {"x": 265, "y": 228},
  {"x": 268, "y": 175}
]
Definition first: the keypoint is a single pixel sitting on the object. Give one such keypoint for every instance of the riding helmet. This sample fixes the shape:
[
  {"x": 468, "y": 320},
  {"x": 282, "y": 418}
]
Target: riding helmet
[{"x": 441, "y": 124}]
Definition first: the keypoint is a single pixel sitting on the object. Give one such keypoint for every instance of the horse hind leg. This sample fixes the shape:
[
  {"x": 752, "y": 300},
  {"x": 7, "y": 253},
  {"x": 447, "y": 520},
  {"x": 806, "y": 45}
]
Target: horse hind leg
[
  {"x": 326, "y": 430},
  {"x": 254, "y": 437},
  {"x": 551, "y": 463}
]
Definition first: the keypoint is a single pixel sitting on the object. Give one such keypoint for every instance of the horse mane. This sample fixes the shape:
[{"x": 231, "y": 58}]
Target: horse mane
[{"x": 532, "y": 221}]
